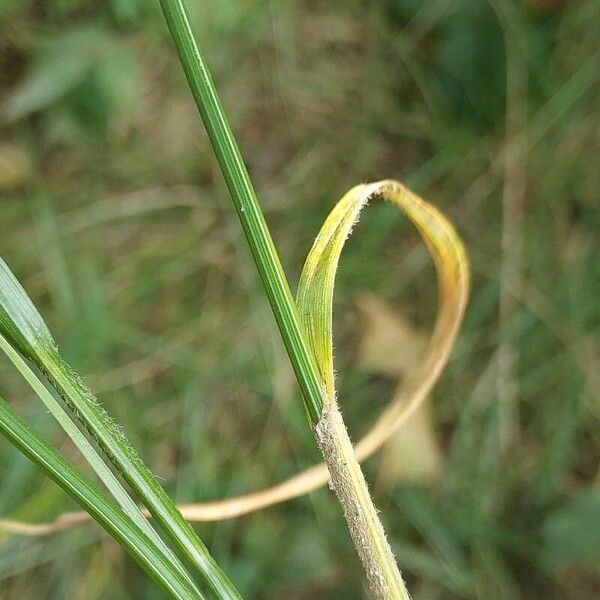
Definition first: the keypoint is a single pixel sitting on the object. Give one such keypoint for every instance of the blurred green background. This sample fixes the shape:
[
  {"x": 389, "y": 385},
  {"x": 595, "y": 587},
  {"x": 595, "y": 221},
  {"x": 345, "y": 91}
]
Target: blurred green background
[{"x": 115, "y": 218}]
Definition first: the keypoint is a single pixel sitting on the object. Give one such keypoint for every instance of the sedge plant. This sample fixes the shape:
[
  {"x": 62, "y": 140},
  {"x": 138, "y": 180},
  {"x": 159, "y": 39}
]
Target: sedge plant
[
  {"x": 305, "y": 324},
  {"x": 28, "y": 343},
  {"x": 306, "y": 327}
]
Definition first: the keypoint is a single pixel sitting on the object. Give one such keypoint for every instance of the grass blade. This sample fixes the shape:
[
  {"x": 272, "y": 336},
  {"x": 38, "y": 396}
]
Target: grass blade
[
  {"x": 110, "y": 516},
  {"x": 23, "y": 327},
  {"x": 348, "y": 482},
  {"x": 246, "y": 203},
  {"x": 315, "y": 302},
  {"x": 90, "y": 453}
]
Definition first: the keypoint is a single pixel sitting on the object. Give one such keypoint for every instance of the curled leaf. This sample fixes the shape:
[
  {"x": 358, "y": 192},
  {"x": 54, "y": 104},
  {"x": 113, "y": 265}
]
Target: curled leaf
[
  {"x": 315, "y": 291},
  {"x": 315, "y": 297}
]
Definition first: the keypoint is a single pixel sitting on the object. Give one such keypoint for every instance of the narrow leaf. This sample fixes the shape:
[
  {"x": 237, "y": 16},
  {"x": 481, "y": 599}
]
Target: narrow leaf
[
  {"x": 23, "y": 327},
  {"x": 83, "y": 491},
  {"x": 90, "y": 453},
  {"x": 315, "y": 290}
]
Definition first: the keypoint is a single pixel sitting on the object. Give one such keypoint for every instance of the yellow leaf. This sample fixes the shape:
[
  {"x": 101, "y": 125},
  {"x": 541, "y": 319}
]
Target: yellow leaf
[
  {"x": 315, "y": 291},
  {"x": 315, "y": 296}
]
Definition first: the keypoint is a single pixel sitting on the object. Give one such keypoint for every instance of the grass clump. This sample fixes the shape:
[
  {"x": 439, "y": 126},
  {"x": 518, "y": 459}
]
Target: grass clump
[
  {"x": 162, "y": 313},
  {"x": 23, "y": 334}
]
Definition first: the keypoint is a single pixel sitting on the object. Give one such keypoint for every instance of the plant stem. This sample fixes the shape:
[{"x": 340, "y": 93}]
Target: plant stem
[
  {"x": 110, "y": 480},
  {"x": 139, "y": 477},
  {"x": 249, "y": 212},
  {"x": 350, "y": 487},
  {"x": 347, "y": 478},
  {"x": 26, "y": 332}
]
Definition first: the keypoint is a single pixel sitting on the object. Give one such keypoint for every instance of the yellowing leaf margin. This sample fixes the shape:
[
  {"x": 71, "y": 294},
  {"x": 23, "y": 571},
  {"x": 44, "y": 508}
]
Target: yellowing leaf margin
[{"x": 315, "y": 302}]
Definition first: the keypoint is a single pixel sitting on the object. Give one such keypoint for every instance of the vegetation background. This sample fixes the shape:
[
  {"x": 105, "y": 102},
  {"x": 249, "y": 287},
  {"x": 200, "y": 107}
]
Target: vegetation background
[{"x": 115, "y": 218}]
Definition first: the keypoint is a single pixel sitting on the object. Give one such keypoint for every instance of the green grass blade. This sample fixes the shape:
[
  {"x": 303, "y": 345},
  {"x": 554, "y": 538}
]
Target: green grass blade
[
  {"x": 23, "y": 327},
  {"x": 105, "y": 512},
  {"x": 334, "y": 441},
  {"x": 249, "y": 212},
  {"x": 90, "y": 453}
]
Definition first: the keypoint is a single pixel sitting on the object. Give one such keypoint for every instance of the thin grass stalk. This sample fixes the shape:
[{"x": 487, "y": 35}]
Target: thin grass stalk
[
  {"x": 91, "y": 454},
  {"x": 332, "y": 437},
  {"x": 246, "y": 203},
  {"x": 145, "y": 551},
  {"x": 25, "y": 330}
]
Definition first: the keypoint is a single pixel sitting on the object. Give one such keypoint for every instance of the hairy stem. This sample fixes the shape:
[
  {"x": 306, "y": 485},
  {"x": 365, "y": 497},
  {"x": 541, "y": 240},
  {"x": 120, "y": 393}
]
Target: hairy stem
[
  {"x": 349, "y": 485},
  {"x": 331, "y": 432}
]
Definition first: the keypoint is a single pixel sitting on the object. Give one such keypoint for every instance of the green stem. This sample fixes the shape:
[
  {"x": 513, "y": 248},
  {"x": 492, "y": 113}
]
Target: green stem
[
  {"x": 138, "y": 476},
  {"x": 24, "y": 329},
  {"x": 333, "y": 439},
  {"x": 110, "y": 480},
  {"x": 247, "y": 206}
]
